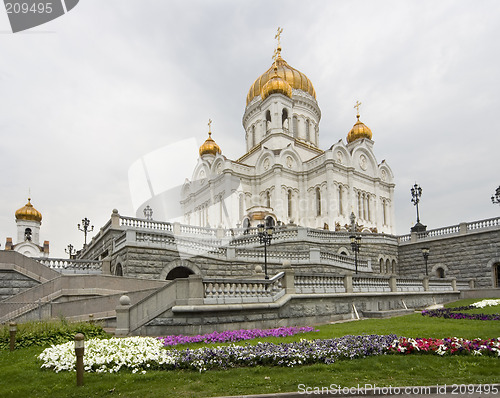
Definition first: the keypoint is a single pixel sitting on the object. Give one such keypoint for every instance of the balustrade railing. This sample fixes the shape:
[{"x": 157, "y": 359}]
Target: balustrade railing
[
  {"x": 363, "y": 284},
  {"x": 492, "y": 222},
  {"x": 228, "y": 291},
  {"x": 440, "y": 286},
  {"x": 146, "y": 224},
  {"x": 65, "y": 265},
  {"x": 313, "y": 283},
  {"x": 409, "y": 285}
]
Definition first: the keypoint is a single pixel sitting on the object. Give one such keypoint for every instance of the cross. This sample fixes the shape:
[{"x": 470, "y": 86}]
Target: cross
[
  {"x": 358, "y": 104},
  {"x": 209, "y": 124},
  {"x": 278, "y": 35},
  {"x": 275, "y": 56}
]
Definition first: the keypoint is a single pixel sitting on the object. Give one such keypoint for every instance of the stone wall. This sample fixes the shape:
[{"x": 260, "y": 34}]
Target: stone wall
[
  {"x": 291, "y": 310},
  {"x": 470, "y": 255},
  {"x": 12, "y": 282}
]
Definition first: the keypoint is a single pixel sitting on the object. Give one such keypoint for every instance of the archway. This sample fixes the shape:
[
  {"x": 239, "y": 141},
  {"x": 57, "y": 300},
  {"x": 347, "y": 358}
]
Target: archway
[
  {"x": 179, "y": 272},
  {"x": 118, "y": 270},
  {"x": 496, "y": 275}
]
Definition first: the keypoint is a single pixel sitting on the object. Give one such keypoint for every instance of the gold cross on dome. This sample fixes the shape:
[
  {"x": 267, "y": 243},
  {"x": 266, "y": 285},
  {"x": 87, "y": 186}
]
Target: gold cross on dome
[
  {"x": 209, "y": 124},
  {"x": 278, "y": 36},
  {"x": 358, "y": 104}
]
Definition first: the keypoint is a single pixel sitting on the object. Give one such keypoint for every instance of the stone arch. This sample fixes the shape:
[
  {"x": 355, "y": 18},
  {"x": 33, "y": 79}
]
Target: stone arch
[
  {"x": 439, "y": 270},
  {"x": 343, "y": 251},
  {"x": 186, "y": 265},
  {"x": 494, "y": 266},
  {"x": 118, "y": 271}
]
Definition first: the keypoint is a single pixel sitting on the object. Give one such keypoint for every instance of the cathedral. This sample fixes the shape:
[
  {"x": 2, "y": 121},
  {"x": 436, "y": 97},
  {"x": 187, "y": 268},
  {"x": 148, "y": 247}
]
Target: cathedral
[{"x": 284, "y": 177}]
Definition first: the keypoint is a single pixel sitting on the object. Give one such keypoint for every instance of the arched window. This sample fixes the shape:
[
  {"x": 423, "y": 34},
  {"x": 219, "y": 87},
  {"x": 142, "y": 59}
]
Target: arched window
[
  {"x": 387, "y": 266},
  {"x": 496, "y": 275},
  {"x": 440, "y": 272},
  {"x": 341, "y": 206},
  {"x": 384, "y": 209},
  {"x": 118, "y": 270},
  {"x": 295, "y": 127},
  {"x": 27, "y": 234},
  {"x": 308, "y": 137},
  {"x": 394, "y": 266},
  {"x": 268, "y": 121},
  {"x": 268, "y": 199},
  {"x": 253, "y": 136},
  {"x": 284, "y": 119},
  {"x": 269, "y": 221},
  {"x": 381, "y": 265},
  {"x": 318, "y": 202},
  {"x": 241, "y": 205},
  {"x": 290, "y": 197}
]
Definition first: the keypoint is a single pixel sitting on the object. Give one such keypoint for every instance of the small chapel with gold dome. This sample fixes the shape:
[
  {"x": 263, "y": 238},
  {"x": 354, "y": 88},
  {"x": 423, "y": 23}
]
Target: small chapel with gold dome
[
  {"x": 28, "y": 221},
  {"x": 284, "y": 177}
]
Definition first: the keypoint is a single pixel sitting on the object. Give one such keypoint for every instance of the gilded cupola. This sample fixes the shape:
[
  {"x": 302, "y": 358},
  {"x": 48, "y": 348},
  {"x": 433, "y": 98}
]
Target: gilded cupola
[
  {"x": 359, "y": 130},
  {"x": 28, "y": 212},
  {"x": 277, "y": 75},
  {"x": 209, "y": 147}
]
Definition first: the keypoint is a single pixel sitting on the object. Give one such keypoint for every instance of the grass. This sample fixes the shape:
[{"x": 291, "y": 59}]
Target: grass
[{"x": 21, "y": 375}]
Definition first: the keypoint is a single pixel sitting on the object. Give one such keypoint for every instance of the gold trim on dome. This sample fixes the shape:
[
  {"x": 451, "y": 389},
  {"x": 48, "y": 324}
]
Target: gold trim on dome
[{"x": 28, "y": 212}]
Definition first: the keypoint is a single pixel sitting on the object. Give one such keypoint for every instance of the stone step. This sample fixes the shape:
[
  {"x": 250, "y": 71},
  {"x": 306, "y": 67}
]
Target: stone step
[{"x": 388, "y": 313}]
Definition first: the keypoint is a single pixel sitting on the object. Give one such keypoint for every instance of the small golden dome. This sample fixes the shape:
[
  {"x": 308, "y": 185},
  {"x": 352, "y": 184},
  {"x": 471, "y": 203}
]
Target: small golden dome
[
  {"x": 359, "y": 130},
  {"x": 28, "y": 212},
  {"x": 276, "y": 85},
  {"x": 296, "y": 79},
  {"x": 209, "y": 147}
]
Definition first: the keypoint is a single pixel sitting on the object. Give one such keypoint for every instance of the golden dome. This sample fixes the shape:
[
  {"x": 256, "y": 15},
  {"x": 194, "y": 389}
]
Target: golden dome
[
  {"x": 209, "y": 146},
  {"x": 359, "y": 130},
  {"x": 28, "y": 212},
  {"x": 292, "y": 76},
  {"x": 276, "y": 85}
]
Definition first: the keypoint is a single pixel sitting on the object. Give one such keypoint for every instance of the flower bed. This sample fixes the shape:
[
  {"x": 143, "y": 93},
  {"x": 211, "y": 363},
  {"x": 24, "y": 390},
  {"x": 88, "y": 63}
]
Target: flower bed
[
  {"x": 449, "y": 346},
  {"x": 139, "y": 354},
  {"x": 143, "y": 353},
  {"x": 453, "y": 313},
  {"x": 234, "y": 335}
]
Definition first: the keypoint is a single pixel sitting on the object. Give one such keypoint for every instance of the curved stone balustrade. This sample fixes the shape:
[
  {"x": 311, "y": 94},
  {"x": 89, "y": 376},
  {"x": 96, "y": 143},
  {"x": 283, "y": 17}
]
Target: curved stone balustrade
[{"x": 339, "y": 258}]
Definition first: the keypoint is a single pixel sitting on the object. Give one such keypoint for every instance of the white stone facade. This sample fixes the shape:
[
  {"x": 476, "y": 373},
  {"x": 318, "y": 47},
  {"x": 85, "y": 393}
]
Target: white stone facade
[{"x": 285, "y": 175}]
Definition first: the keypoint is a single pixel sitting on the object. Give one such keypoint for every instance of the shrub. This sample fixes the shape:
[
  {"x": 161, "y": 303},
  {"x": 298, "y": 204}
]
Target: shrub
[{"x": 52, "y": 332}]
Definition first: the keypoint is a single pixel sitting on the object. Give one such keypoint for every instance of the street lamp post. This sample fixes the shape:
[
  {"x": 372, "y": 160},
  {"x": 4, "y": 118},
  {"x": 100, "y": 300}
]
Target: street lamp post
[
  {"x": 416, "y": 193},
  {"x": 85, "y": 228},
  {"x": 148, "y": 212},
  {"x": 495, "y": 199},
  {"x": 265, "y": 236},
  {"x": 355, "y": 245},
  {"x": 425, "y": 253},
  {"x": 70, "y": 250}
]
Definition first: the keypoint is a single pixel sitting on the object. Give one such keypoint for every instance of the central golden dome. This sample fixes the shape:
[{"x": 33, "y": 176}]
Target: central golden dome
[
  {"x": 292, "y": 76},
  {"x": 28, "y": 212}
]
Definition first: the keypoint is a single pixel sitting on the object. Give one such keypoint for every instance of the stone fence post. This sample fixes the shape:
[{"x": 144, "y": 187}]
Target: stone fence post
[
  {"x": 454, "y": 284},
  {"x": 393, "y": 284},
  {"x": 106, "y": 266},
  {"x": 425, "y": 283},
  {"x": 348, "y": 283},
  {"x": 123, "y": 316},
  {"x": 289, "y": 281}
]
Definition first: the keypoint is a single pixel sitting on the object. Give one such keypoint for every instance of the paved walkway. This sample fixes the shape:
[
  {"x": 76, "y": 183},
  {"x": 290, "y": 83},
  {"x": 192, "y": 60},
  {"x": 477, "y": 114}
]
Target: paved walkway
[{"x": 442, "y": 391}]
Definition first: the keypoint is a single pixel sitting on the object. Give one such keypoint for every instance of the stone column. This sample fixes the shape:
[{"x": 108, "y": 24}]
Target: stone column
[
  {"x": 425, "y": 283},
  {"x": 348, "y": 283},
  {"x": 123, "y": 316},
  {"x": 393, "y": 283},
  {"x": 289, "y": 278}
]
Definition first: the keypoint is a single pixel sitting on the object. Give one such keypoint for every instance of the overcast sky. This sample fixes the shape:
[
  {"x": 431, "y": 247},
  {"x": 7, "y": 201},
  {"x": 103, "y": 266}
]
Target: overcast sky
[{"x": 86, "y": 95}]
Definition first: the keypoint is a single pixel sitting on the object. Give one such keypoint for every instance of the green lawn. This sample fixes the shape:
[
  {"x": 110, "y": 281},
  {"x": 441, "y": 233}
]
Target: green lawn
[{"x": 22, "y": 377}]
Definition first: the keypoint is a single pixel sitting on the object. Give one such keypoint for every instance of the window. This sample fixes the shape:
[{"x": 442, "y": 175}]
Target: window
[
  {"x": 440, "y": 272},
  {"x": 268, "y": 199},
  {"x": 341, "y": 207},
  {"x": 318, "y": 202},
  {"x": 284, "y": 118},
  {"x": 295, "y": 127},
  {"x": 27, "y": 234},
  {"x": 268, "y": 121},
  {"x": 290, "y": 197}
]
